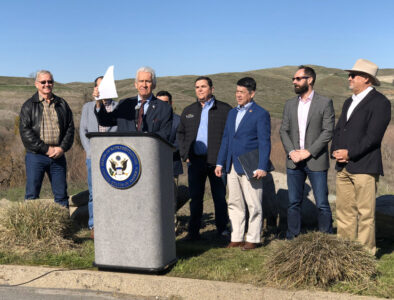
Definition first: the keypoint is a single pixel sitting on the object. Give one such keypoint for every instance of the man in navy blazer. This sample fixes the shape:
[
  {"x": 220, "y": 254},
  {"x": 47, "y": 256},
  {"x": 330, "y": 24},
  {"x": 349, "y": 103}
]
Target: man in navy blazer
[
  {"x": 154, "y": 115},
  {"x": 248, "y": 127}
]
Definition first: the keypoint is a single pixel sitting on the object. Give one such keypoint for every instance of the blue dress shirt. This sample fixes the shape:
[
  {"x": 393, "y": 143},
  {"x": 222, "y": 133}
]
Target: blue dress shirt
[
  {"x": 201, "y": 144},
  {"x": 146, "y": 105},
  {"x": 241, "y": 113}
]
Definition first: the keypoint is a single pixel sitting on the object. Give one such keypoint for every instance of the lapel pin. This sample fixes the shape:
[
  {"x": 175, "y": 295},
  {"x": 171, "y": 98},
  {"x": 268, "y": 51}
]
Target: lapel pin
[{"x": 250, "y": 110}]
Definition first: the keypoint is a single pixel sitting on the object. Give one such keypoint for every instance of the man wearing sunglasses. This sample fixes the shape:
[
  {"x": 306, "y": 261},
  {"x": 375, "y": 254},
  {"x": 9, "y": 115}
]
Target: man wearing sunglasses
[
  {"x": 307, "y": 128},
  {"x": 47, "y": 131},
  {"x": 356, "y": 148}
]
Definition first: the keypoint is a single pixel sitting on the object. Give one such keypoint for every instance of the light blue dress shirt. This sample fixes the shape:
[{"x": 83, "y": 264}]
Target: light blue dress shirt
[
  {"x": 201, "y": 144},
  {"x": 146, "y": 105},
  {"x": 241, "y": 113}
]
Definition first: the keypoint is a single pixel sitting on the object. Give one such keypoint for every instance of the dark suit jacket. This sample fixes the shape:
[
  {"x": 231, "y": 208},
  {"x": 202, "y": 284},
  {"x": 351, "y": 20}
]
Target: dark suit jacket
[
  {"x": 177, "y": 163},
  {"x": 158, "y": 118},
  {"x": 319, "y": 131},
  {"x": 362, "y": 134},
  {"x": 190, "y": 122},
  {"x": 254, "y": 132}
]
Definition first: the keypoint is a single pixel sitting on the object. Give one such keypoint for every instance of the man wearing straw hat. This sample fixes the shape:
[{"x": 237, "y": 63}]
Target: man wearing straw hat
[{"x": 356, "y": 147}]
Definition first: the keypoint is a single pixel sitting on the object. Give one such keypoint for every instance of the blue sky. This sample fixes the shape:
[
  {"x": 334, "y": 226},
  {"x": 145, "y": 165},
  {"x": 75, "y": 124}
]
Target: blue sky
[{"x": 78, "y": 40}]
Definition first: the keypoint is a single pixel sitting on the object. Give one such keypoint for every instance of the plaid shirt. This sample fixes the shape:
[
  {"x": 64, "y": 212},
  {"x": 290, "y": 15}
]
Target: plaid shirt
[
  {"x": 49, "y": 131},
  {"x": 108, "y": 107}
]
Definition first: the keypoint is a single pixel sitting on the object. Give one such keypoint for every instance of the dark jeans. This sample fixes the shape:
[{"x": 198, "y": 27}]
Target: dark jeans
[
  {"x": 90, "y": 203},
  {"x": 198, "y": 171},
  {"x": 36, "y": 166},
  {"x": 295, "y": 183}
]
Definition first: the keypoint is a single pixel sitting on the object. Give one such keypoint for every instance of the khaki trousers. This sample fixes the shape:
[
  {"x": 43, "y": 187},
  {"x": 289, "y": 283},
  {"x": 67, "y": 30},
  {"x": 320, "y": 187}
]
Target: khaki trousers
[
  {"x": 241, "y": 192},
  {"x": 355, "y": 206}
]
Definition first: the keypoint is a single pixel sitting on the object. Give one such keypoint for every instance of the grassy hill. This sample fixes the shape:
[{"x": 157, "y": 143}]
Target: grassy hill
[{"x": 274, "y": 87}]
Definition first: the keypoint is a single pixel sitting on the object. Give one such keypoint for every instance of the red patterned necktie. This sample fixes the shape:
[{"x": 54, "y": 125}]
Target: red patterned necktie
[{"x": 140, "y": 115}]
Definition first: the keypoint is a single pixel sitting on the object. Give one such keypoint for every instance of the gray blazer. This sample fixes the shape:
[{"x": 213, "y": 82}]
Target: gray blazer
[
  {"x": 319, "y": 131},
  {"x": 89, "y": 124}
]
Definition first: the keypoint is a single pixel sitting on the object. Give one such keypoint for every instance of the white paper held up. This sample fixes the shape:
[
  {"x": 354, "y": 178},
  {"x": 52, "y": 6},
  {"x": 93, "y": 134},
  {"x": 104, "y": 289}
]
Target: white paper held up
[{"x": 107, "y": 88}]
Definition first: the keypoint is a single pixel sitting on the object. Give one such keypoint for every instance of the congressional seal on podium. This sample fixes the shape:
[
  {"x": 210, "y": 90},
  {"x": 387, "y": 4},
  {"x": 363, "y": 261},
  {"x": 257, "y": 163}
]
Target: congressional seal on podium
[{"x": 120, "y": 166}]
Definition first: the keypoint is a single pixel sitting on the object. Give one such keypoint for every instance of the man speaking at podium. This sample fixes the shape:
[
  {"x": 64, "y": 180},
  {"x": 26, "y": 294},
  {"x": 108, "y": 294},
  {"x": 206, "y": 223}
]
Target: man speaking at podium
[{"x": 143, "y": 113}]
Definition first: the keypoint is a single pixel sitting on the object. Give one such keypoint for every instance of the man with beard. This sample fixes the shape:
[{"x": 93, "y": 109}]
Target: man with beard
[{"x": 307, "y": 127}]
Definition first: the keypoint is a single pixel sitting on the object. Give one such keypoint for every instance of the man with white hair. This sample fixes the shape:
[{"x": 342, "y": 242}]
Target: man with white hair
[
  {"x": 47, "y": 131},
  {"x": 356, "y": 147},
  {"x": 141, "y": 113}
]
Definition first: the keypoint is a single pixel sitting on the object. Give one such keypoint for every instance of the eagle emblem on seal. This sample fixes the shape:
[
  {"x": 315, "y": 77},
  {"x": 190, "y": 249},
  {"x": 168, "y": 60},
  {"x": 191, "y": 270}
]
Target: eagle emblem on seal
[{"x": 118, "y": 166}]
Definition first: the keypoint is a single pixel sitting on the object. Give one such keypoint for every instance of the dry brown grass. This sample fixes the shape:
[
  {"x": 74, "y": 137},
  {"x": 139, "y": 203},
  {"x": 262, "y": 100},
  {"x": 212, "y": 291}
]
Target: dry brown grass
[
  {"x": 76, "y": 166},
  {"x": 318, "y": 260},
  {"x": 12, "y": 159},
  {"x": 39, "y": 225}
]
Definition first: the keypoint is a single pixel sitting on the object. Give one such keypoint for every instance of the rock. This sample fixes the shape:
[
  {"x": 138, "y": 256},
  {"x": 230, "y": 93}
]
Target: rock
[
  {"x": 80, "y": 215},
  {"x": 384, "y": 217},
  {"x": 182, "y": 196},
  {"x": 4, "y": 203},
  {"x": 79, "y": 199},
  {"x": 332, "y": 198},
  {"x": 78, "y": 206},
  {"x": 270, "y": 204},
  {"x": 308, "y": 206}
]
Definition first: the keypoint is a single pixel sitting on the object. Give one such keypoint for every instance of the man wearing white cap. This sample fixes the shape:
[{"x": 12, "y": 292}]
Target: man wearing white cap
[{"x": 356, "y": 147}]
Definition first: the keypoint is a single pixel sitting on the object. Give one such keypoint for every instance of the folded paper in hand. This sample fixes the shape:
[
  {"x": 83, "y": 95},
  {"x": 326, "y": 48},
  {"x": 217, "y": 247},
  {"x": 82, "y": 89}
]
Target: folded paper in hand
[
  {"x": 107, "y": 88},
  {"x": 250, "y": 161}
]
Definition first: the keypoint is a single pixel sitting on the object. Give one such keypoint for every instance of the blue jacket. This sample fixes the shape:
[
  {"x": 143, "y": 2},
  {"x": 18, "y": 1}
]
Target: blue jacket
[{"x": 254, "y": 132}]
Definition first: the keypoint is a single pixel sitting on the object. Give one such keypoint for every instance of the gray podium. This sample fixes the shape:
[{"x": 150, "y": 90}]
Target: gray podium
[{"x": 133, "y": 201}]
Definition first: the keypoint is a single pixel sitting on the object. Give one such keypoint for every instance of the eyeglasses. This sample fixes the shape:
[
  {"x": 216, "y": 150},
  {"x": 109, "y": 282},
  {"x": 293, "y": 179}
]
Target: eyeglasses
[
  {"x": 300, "y": 78},
  {"x": 352, "y": 75},
  {"x": 46, "y": 81}
]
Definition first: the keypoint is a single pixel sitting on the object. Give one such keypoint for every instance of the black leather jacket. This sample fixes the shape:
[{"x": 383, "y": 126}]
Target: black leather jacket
[{"x": 30, "y": 123}]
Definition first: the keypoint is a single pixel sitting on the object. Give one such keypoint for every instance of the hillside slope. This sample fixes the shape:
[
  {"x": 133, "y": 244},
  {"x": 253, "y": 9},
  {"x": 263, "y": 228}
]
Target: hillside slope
[{"x": 274, "y": 87}]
